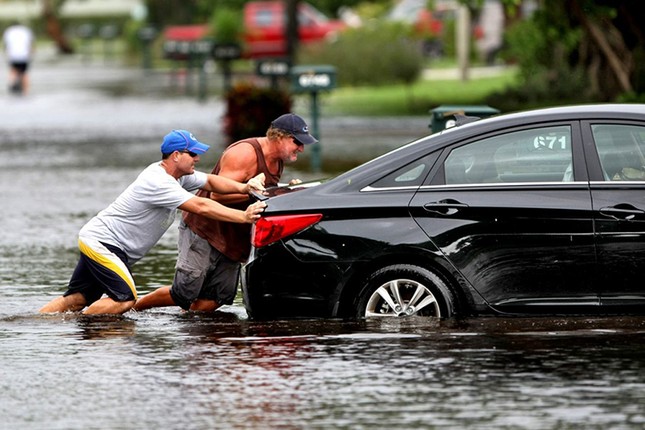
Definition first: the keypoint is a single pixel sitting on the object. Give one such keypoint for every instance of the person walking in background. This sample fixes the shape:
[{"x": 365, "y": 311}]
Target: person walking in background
[
  {"x": 211, "y": 251},
  {"x": 19, "y": 44},
  {"x": 120, "y": 235}
]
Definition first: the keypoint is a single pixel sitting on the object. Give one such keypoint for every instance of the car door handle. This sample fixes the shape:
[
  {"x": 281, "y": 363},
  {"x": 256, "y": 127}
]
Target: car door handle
[
  {"x": 445, "y": 207},
  {"x": 622, "y": 211}
]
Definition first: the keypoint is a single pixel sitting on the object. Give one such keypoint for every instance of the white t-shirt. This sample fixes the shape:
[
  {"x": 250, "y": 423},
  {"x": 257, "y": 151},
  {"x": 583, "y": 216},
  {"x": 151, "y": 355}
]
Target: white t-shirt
[
  {"x": 138, "y": 218},
  {"x": 18, "y": 41}
]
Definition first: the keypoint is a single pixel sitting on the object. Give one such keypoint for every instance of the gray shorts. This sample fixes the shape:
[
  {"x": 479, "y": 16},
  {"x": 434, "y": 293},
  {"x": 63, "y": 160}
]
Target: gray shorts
[{"x": 202, "y": 272}]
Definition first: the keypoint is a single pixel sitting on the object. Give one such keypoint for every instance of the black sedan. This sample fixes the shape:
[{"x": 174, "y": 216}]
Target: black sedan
[{"x": 539, "y": 212}]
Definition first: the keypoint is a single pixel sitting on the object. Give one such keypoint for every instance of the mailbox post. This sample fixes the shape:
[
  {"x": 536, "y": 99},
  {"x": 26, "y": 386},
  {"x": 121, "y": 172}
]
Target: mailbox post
[
  {"x": 313, "y": 79},
  {"x": 86, "y": 33},
  {"x": 108, "y": 33},
  {"x": 187, "y": 44},
  {"x": 199, "y": 50},
  {"x": 225, "y": 53},
  {"x": 147, "y": 35}
]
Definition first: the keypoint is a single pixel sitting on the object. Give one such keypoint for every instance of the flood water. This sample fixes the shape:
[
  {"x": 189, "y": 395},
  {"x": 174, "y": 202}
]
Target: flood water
[{"x": 65, "y": 156}]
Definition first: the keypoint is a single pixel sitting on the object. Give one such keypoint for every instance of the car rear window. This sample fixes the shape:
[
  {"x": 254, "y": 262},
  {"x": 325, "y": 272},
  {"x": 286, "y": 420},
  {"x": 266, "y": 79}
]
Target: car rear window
[{"x": 410, "y": 175}]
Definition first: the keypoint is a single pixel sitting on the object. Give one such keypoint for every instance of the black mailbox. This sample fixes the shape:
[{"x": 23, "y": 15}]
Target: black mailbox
[
  {"x": 313, "y": 78},
  {"x": 444, "y": 114}
]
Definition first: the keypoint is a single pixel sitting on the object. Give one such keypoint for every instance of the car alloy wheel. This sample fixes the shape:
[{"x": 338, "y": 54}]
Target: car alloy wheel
[
  {"x": 405, "y": 290},
  {"x": 401, "y": 297}
]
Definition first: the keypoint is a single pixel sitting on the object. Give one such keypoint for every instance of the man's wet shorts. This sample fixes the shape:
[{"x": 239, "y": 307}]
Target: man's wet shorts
[
  {"x": 202, "y": 272},
  {"x": 102, "y": 269}
]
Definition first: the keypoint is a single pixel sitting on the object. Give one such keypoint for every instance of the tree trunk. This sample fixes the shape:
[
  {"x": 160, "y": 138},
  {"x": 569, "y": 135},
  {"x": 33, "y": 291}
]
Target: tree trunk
[
  {"x": 53, "y": 27},
  {"x": 291, "y": 30},
  {"x": 613, "y": 54},
  {"x": 620, "y": 68}
]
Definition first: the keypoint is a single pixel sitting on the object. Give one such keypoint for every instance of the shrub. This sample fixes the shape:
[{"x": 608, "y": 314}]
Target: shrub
[
  {"x": 226, "y": 25},
  {"x": 547, "y": 74},
  {"x": 250, "y": 110},
  {"x": 370, "y": 55}
]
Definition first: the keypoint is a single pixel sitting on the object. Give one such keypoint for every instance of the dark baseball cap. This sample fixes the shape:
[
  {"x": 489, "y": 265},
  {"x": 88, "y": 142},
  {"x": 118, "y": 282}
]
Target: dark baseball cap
[{"x": 292, "y": 123}]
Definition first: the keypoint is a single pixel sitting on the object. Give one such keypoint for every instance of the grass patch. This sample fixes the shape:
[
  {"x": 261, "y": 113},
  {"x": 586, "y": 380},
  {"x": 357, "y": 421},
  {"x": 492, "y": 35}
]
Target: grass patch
[{"x": 417, "y": 99}]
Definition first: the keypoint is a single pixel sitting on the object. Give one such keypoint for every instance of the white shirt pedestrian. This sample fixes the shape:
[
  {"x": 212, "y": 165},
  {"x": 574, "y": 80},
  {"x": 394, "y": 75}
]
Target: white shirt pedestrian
[{"x": 18, "y": 42}]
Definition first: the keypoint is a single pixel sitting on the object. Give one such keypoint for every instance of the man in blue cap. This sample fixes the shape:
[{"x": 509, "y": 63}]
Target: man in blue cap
[{"x": 120, "y": 235}]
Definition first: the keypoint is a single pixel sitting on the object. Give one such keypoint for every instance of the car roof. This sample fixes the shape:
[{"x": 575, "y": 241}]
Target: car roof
[
  {"x": 371, "y": 170},
  {"x": 607, "y": 110}
]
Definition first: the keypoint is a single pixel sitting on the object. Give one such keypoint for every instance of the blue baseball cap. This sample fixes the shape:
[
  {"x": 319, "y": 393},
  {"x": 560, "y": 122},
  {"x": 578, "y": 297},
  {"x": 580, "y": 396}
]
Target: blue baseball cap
[{"x": 182, "y": 140}]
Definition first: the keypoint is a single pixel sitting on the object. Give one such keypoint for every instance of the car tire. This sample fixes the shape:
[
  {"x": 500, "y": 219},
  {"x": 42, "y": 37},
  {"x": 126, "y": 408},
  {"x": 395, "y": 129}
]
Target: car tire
[{"x": 405, "y": 290}]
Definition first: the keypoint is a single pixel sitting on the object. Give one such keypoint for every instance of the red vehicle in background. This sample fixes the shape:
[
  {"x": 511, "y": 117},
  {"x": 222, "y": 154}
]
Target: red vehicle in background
[{"x": 265, "y": 24}]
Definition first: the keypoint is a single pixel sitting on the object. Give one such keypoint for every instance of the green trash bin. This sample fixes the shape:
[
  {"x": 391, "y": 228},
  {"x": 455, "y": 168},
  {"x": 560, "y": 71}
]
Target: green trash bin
[{"x": 444, "y": 113}]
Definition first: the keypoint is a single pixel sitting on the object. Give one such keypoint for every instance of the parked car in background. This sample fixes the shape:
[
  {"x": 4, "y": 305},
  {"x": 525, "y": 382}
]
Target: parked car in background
[
  {"x": 533, "y": 213},
  {"x": 264, "y": 33},
  {"x": 265, "y": 24},
  {"x": 428, "y": 24}
]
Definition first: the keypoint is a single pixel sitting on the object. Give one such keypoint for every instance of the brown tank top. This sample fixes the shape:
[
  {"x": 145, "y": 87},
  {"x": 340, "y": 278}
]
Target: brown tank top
[{"x": 232, "y": 239}]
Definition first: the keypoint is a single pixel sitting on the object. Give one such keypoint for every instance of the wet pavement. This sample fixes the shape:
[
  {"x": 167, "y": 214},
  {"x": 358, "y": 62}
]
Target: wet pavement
[{"x": 75, "y": 99}]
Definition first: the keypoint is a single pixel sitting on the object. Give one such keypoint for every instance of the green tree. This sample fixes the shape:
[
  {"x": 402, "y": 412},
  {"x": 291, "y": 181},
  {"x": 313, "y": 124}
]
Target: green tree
[{"x": 595, "y": 43}]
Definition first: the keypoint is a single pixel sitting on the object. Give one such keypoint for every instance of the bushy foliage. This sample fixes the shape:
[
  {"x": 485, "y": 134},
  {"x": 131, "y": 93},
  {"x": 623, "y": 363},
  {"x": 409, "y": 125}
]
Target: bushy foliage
[
  {"x": 370, "y": 55},
  {"x": 547, "y": 74},
  {"x": 529, "y": 45},
  {"x": 581, "y": 50},
  {"x": 546, "y": 87},
  {"x": 226, "y": 25},
  {"x": 250, "y": 110}
]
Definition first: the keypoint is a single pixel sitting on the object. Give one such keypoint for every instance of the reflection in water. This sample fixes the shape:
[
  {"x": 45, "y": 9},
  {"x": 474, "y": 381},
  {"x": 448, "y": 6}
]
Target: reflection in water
[
  {"x": 105, "y": 326},
  {"x": 226, "y": 371}
]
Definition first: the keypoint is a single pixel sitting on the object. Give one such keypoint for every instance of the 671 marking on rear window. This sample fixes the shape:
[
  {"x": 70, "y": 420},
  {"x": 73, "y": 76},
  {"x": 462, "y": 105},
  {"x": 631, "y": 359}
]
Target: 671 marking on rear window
[{"x": 550, "y": 142}]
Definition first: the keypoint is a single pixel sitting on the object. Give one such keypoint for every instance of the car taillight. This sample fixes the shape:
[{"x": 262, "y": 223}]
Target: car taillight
[{"x": 273, "y": 228}]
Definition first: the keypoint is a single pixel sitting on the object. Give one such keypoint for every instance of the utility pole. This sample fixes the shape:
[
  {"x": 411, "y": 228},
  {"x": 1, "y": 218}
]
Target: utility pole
[
  {"x": 292, "y": 30},
  {"x": 463, "y": 41}
]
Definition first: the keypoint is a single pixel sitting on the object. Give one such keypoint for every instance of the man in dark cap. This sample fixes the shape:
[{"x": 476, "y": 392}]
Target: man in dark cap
[
  {"x": 211, "y": 251},
  {"x": 120, "y": 235}
]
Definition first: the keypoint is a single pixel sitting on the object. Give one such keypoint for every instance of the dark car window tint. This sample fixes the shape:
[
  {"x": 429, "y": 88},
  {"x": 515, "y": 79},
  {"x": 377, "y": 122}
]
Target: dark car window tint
[
  {"x": 536, "y": 155},
  {"x": 621, "y": 149},
  {"x": 410, "y": 175}
]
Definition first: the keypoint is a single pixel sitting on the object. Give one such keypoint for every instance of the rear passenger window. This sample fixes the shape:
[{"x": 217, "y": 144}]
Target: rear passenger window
[
  {"x": 536, "y": 155},
  {"x": 410, "y": 175},
  {"x": 621, "y": 149}
]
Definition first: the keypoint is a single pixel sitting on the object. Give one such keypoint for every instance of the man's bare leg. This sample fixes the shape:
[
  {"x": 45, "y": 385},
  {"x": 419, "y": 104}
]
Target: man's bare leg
[
  {"x": 73, "y": 302},
  {"x": 158, "y": 298},
  {"x": 108, "y": 306},
  {"x": 204, "y": 305},
  {"x": 25, "y": 83}
]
